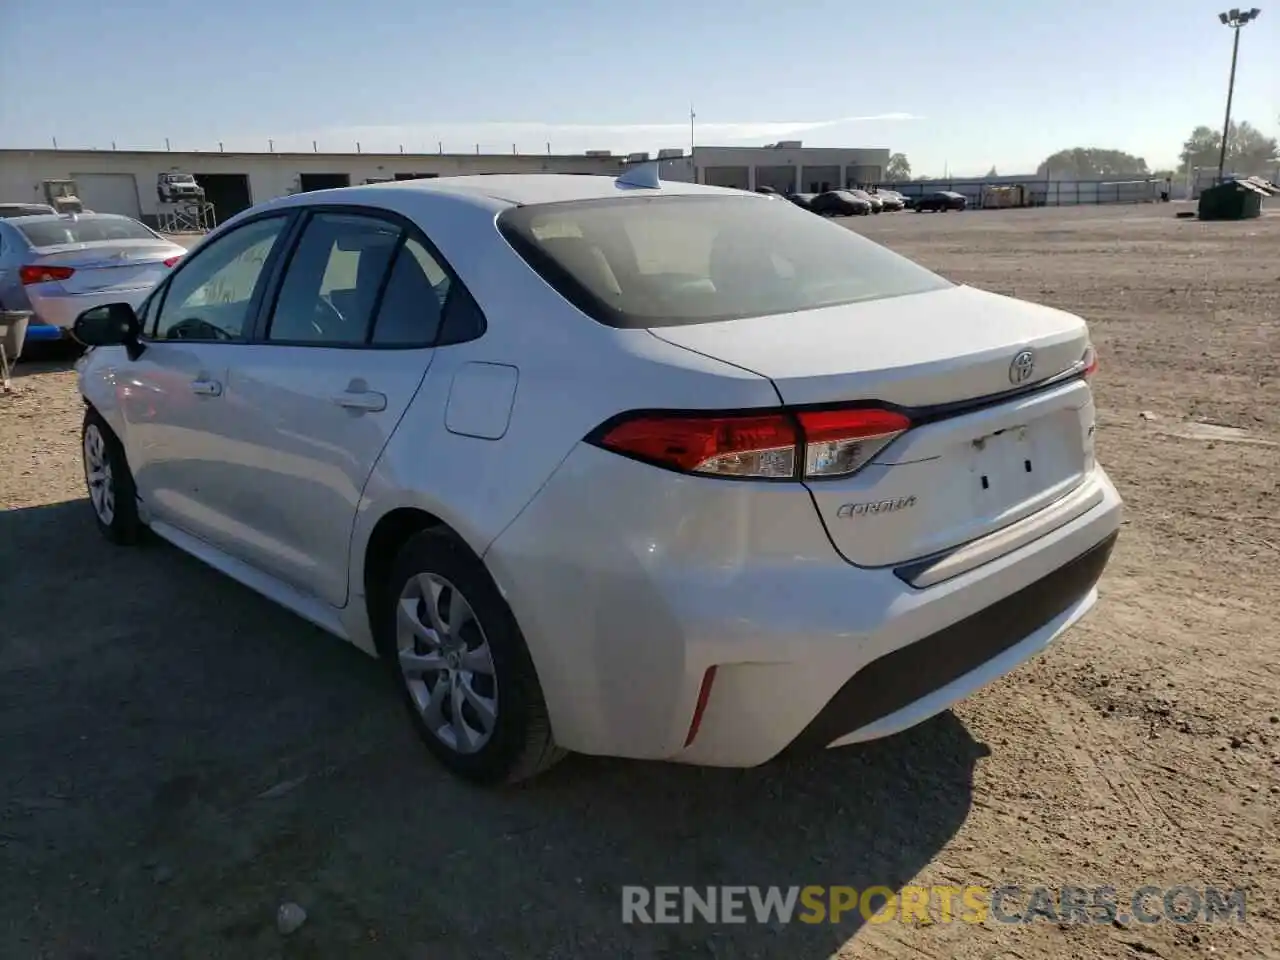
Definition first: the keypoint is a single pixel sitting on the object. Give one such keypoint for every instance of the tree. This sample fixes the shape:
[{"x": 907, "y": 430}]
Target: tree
[
  {"x": 899, "y": 168},
  {"x": 1091, "y": 163},
  {"x": 992, "y": 173},
  {"x": 1201, "y": 148},
  {"x": 1247, "y": 149}
]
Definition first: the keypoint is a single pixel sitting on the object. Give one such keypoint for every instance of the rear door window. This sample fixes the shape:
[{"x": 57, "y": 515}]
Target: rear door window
[
  {"x": 333, "y": 280},
  {"x": 413, "y": 303}
]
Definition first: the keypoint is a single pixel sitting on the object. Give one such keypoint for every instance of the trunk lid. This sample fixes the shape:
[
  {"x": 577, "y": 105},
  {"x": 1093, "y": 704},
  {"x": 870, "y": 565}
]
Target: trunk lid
[
  {"x": 919, "y": 350},
  {"x": 103, "y": 266},
  {"x": 967, "y": 467}
]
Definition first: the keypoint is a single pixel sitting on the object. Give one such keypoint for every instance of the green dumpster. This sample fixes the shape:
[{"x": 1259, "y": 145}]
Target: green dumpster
[{"x": 1231, "y": 200}]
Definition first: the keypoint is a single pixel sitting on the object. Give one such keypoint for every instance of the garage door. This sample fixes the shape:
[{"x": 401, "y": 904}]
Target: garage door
[
  {"x": 109, "y": 193},
  {"x": 228, "y": 192}
]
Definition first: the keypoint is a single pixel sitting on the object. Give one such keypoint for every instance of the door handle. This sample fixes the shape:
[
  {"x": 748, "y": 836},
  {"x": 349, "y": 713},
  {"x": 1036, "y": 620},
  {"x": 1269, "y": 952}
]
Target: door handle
[
  {"x": 364, "y": 401},
  {"x": 206, "y": 388}
]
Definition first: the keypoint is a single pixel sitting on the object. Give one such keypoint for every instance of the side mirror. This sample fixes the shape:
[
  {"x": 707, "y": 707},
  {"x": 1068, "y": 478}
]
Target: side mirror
[{"x": 110, "y": 325}]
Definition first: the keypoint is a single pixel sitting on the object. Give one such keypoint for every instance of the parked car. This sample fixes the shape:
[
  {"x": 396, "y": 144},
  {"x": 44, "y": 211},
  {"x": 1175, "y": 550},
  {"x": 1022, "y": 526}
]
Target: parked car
[
  {"x": 840, "y": 203},
  {"x": 8, "y": 210},
  {"x": 802, "y": 200},
  {"x": 58, "y": 265},
  {"x": 940, "y": 201},
  {"x": 876, "y": 205},
  {"x": 783, "y": 488},
  {"x": 178, "y": 188},
  {"x": 891, "y": 200}
]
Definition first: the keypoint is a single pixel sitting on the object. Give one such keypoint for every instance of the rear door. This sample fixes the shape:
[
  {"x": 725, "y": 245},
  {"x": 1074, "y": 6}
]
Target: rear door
[{"x": 341, "y": 351}]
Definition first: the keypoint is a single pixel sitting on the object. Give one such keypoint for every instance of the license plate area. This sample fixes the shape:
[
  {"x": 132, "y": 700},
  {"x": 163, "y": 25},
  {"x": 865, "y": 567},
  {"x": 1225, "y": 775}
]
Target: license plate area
[{"x": 1011, "y": 467}]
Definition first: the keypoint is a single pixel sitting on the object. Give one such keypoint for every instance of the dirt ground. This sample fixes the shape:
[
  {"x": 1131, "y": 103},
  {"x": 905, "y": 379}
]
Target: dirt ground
[{"x": 178, "y": 756}]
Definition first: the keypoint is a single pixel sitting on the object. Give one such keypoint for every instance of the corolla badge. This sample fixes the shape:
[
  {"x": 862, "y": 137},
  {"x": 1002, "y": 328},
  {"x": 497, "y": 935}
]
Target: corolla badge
[
  {"x": 849, "y": 510},
  {"x": 1023, "y": 365}
]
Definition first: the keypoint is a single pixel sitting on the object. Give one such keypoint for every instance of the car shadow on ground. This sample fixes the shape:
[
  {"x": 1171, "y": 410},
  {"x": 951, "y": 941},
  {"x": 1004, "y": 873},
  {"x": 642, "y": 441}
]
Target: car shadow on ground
[{"x": 182, "y": 756}]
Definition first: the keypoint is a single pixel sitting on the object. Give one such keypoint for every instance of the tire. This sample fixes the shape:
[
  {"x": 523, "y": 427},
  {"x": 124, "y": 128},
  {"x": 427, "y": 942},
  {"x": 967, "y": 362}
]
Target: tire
[
  {"x": 108, "y": 481},
  {"x": 485, "y": 672}
]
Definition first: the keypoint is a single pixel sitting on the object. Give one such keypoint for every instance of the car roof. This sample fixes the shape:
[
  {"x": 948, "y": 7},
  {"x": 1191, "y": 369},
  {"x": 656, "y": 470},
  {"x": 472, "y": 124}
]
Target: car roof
[
  {"x": 522, "y": 189},
  {"x": 56, "y": 217}
]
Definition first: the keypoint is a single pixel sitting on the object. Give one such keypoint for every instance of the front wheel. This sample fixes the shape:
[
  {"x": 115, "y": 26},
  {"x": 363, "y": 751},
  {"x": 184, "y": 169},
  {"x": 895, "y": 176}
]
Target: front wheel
[
  {"x": 462, "y": 665},
  {"x": 109, "y": 481}
]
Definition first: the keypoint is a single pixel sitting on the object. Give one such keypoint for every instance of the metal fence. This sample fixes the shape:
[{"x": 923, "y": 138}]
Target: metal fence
[{"x": 1043, "y": 193}]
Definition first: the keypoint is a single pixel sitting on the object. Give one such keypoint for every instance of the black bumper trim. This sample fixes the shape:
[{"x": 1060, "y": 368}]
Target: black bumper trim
[{"x": 902, "y": 677}]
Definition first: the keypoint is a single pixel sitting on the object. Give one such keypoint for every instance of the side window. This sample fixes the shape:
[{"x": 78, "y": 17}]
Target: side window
[
  {"x": 463, "y": 319},
  {"x": 210, "y": 297},
  {"x": 332, "y": 281},
  {"x": 414, "y": 301}
]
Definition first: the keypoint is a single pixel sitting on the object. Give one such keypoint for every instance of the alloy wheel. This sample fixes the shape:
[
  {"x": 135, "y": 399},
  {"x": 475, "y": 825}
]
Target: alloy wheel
[{"x": 98, "y": 476}]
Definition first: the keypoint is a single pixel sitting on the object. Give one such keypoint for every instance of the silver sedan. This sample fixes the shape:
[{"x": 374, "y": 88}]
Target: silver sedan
[{"x": 57, "y": 266}]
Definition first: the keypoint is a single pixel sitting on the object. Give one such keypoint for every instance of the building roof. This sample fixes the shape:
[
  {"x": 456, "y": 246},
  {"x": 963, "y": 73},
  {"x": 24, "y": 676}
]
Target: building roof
[{"x": 280, "y": 155}]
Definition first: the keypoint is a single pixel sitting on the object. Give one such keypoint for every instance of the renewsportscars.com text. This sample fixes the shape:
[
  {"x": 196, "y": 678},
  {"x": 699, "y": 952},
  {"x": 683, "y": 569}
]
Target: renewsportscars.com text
[{"x": 972, "y": 904}]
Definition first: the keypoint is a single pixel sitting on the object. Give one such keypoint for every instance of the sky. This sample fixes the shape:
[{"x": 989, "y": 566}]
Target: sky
[{"x": 958, "y": 87}]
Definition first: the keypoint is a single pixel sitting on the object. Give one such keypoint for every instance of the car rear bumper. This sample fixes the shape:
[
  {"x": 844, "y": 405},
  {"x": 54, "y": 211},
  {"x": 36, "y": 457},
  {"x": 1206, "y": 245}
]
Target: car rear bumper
[
  {"x": 60, "y": 309},
  {"x": 630, "y": 583}
]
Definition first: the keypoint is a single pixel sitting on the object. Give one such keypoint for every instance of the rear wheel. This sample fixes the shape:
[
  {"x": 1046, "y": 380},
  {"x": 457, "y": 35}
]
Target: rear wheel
[
  {"x": 462, "y": 665},
  {"x": 109, "y": 482}
]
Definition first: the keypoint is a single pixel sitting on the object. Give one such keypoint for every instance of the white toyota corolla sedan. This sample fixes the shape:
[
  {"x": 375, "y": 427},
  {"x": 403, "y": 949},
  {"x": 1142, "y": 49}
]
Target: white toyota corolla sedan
[{"x": 622, "y": 467}]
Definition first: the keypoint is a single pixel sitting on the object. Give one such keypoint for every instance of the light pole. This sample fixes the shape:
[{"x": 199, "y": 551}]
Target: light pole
[{"x": 1235, "y": 19}]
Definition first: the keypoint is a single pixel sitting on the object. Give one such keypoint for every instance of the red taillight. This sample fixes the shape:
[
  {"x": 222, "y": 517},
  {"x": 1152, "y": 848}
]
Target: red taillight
[
  {"x": 172, "y": 260},
  {"x": 33, "y": 274},
  {"x": 740, "y": 446},
  {"x": 777, "y": 445},
  {"x": 1090, "y": 360},
  {"x": 838, "y": 442}
]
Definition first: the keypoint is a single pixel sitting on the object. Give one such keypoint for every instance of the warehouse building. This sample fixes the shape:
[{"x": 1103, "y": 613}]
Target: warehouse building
[
  {"x": 787, "y": 167},
  {"x": 790, "y": 167},
  {"x": 124, "y": 181}
]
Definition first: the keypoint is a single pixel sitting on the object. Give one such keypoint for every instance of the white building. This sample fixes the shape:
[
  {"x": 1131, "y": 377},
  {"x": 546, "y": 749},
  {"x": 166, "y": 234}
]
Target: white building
[
  {"x": 124, "y": 181},
  {"x": 787, "y": 167},
  {"x": 790, "y": 167}
]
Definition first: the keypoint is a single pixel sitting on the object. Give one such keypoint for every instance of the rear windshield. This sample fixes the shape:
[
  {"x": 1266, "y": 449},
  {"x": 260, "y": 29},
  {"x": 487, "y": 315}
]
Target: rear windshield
[
  {"x": 17, "y": 210},
  {"x": 667, "y": 261},
  {"x": 49, "y": 233}
]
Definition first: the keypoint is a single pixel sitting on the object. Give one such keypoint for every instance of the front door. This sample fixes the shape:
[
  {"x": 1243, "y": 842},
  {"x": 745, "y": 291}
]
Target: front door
[
  {"x": 340, "y": 356},
  {"x": 179, "y": 433}
]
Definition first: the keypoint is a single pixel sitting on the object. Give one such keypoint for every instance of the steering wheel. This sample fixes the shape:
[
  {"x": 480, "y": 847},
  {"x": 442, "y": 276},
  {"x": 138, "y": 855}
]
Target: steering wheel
[{"x": 196, "y": 328}]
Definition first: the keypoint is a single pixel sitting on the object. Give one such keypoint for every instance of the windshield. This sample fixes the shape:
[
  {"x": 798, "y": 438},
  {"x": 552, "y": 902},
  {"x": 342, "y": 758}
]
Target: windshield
[
  {"x": 50, "y": 233},
  {"x": 180, "y": 178},
  {"x": 666, "y": 261}
]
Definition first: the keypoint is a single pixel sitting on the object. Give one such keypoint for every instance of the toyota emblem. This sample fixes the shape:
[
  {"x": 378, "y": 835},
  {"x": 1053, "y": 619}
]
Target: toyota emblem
[{"x": 1021, "y": 368}]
